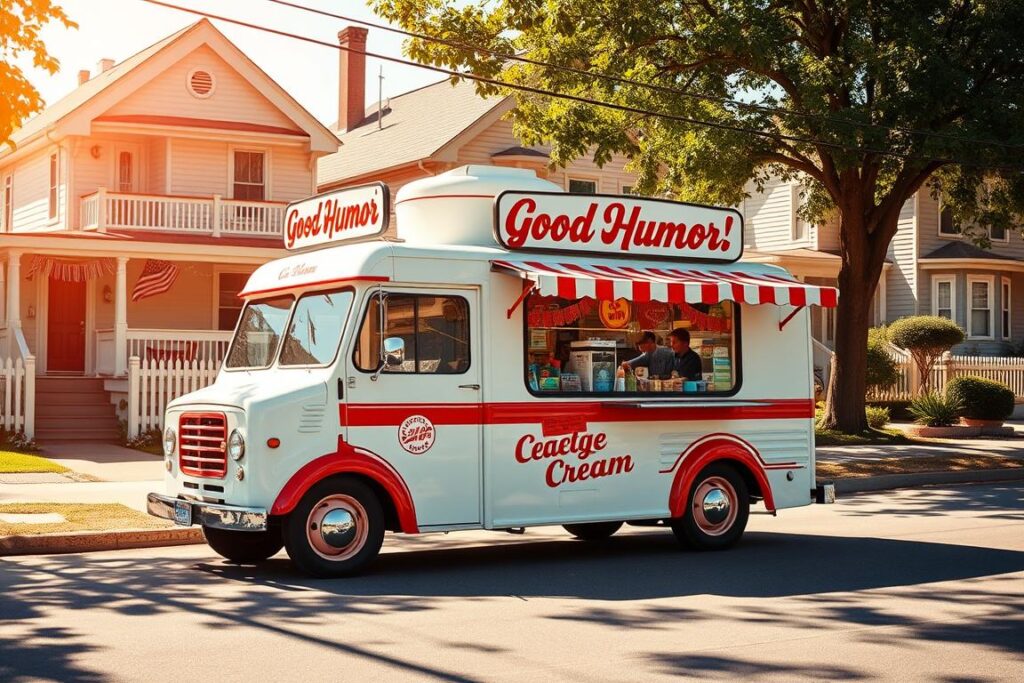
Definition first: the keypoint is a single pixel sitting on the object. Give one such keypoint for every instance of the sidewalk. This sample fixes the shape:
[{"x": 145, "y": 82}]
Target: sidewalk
[{"x": 1007, "y": 447}]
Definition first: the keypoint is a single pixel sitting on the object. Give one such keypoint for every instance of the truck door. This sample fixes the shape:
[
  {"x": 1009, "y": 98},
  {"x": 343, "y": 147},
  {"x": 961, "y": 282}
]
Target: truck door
[{"x": 422, "y": 413}]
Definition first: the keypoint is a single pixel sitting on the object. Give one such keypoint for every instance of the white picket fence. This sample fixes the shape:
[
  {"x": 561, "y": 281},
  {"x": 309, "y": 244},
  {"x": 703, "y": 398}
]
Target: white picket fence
[
  {"x": 1006, "y": 369},
  {"x": 154, "y": 384},
  {"x": 18, "y": 395}
]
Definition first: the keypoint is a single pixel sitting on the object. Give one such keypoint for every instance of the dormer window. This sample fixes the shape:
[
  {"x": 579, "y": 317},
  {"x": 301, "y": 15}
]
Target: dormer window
[{"x": 201, "y": 83}]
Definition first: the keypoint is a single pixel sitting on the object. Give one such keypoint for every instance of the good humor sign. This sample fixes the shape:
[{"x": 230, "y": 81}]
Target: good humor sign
[
  {"x": 616, "y": 225},
  {"x": 342, "y": 215}
]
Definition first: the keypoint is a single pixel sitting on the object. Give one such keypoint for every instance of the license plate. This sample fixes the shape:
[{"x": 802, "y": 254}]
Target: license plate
[{"x": 182, "y": 513}]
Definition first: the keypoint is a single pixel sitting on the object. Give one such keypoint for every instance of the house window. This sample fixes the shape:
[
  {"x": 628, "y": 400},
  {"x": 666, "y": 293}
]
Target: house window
[
  {"x": 249, "y": 176},
  {"x": 579, "y": 186},
  {"x": 979, "y": 292},
  {"x": 947, "y": 226},
  {"x": 124, "y": 172},
  {"x": 54, "y": 178},
  {"x": 943, "y": 303},
  {"x": 228, "y": 303},
  {"x": 998, "y": 233},
  {"x": 628, "y": 189},
  {"x": 799, "y": 228},
  {"x": 1004, "y": 305},
  {"x": 9, "y": 202}
]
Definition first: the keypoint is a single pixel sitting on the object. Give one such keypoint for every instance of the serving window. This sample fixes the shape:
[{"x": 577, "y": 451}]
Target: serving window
[
  {"x": 434, "y": 328},
  {"x": 578, "y": 346}
]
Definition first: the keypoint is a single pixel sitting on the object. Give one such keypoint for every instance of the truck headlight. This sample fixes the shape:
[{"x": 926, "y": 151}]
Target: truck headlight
[
  {"x": 236, "y": 445},
  {"x": 170, "y": 441}
]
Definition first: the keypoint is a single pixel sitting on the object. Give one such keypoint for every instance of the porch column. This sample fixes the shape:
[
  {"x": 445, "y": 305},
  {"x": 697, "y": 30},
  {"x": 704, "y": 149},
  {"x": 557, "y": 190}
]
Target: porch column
[
  {"x": 121, "y": 318},
  {"x": 3, "y": 295},
  {"x": 13, "y": 291}
]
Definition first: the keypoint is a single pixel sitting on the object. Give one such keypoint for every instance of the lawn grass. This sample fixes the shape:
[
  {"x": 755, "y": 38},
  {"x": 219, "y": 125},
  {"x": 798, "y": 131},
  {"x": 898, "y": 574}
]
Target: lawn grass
[
  {"x": 20, "y": 463},
  {"x": 870, "y": 437},
  {"x": 79, "y": 517},
  {"x": 911, "y": 464}
]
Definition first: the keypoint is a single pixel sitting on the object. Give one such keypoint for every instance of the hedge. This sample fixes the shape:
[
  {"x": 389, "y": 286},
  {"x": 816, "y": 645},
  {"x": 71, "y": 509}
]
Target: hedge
[{"x": 980, "y": 398}]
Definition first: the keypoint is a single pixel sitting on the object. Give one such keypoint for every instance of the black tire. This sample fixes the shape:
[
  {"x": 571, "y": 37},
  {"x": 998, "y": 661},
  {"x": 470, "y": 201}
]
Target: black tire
[
  {"x": 593, "y": 531},
  {"x": 244, "y": 547},
  {"x": 699, "y": 531},
  {"x": 306, "y": 543}
]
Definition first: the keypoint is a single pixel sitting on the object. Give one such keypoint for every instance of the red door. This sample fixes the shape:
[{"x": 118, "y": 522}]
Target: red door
[{"x": 65, "y": 340}]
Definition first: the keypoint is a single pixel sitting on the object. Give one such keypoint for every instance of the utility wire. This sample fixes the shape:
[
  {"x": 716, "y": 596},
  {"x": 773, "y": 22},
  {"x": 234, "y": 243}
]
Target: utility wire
[
  {"x": 577, "y": 98},
  {"x": 651, "y": 86}
]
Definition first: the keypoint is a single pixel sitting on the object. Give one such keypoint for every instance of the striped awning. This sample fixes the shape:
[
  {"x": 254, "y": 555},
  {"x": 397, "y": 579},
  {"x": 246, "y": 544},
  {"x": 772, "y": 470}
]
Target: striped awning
[{"x": 574, "y": 280}]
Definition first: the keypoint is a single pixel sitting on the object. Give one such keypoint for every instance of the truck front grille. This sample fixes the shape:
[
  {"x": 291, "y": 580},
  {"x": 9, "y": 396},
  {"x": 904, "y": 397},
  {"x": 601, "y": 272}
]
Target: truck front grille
[{"x": 202, "y": 444}]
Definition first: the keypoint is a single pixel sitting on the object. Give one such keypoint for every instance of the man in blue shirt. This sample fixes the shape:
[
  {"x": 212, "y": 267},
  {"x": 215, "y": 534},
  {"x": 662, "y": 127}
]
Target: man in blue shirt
[
  {"x": 659, "y": 361},
  {"x": 686, "y": 361}
]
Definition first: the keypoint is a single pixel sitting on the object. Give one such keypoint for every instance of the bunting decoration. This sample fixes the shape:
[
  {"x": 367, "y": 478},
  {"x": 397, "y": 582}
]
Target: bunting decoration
[
  {"x": 70, "y": 271},
  {"x": 703, "y": 321},
  {"x": 557, "y": 317},
  {"x": 156, "y": 278}
]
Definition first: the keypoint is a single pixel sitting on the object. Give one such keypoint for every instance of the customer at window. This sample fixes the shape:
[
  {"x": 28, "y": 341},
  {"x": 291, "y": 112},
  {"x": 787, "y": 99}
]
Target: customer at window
[
  {"x": 658, "y": 360},
  {"x": 686, "y": 361}
]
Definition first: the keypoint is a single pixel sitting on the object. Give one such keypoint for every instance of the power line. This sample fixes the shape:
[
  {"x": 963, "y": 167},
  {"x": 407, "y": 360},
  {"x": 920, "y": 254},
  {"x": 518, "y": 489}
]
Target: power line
[
  {"x": 651, "y": 86},
  {"x": 575, "y": 98}
]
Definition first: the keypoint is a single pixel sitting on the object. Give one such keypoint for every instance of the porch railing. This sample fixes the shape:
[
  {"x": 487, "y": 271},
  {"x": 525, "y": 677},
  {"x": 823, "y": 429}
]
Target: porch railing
[
  {"x": 154, "y": 384},
  {"x": 214, "y": 215},
  {"x": 18, "y": 385},
  {"x": 162, "y": 345}
]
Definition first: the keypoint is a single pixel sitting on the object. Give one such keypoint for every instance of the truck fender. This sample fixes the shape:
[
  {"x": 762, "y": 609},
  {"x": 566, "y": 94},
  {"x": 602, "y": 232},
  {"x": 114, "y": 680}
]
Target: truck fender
[
  {"x": 350, "y": 460},
  {"x": 709, "y": 449}
]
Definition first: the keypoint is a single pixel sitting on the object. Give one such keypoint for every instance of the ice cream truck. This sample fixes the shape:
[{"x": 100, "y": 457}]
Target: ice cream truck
[{"x": 478, "y": 368}]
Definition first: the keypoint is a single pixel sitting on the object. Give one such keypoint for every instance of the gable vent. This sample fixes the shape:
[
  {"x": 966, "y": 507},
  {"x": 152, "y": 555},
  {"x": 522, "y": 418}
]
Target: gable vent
[{"x": 200, "y": 83}]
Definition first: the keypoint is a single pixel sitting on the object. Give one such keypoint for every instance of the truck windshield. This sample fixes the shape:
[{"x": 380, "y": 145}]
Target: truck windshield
[
  {"x": 259, "y": 333},
  {"x": 315, "y": 329}
]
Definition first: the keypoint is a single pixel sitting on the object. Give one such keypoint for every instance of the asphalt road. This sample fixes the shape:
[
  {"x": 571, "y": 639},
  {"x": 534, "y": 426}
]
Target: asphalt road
[{"x": 910, "y": 585}]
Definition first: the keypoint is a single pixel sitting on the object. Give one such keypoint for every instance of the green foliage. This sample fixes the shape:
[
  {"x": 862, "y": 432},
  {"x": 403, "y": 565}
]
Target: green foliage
[
  {"x": 980, "y": 398},
  {"x": 934, "y": 410},
  {"x": 21, "y": 22},
  {"x": 882, "y": 371},
  {"x": 877, "y": 417},
  {"x": 897, "y": 409},
  {"x": 925, "y": 332}
]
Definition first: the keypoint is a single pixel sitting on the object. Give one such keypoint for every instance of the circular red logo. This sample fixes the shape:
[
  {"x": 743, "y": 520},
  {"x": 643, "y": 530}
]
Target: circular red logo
[{"x": 416, "y": 434}]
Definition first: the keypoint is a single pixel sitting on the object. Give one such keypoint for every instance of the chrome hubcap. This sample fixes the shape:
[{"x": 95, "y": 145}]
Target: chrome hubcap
[
  {"x": 337, "y": 527},
  {"x": 714, "y": 506}
]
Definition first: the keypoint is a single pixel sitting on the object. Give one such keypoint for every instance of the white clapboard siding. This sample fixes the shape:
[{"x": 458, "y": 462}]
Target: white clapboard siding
[
  {"x": 19, "y": 400},
  {"x": 154, "y": 384}
]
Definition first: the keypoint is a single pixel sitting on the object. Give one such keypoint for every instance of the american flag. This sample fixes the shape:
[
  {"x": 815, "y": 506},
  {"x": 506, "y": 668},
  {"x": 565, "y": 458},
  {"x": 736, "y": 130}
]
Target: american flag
[{"x": 156, "y": 278}]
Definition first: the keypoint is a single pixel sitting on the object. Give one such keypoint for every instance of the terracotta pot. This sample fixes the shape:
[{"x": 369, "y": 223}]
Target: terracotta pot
[{"x": 952, "y": 432}]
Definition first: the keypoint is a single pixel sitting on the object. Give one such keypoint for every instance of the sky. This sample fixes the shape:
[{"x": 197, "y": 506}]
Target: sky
[{"x": 116, "y": 29}]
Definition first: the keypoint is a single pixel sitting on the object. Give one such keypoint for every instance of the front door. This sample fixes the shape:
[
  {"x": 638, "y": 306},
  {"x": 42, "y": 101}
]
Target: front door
[
  {"x": 423, "y": 413},
  {"x": 65, "y": 339}
]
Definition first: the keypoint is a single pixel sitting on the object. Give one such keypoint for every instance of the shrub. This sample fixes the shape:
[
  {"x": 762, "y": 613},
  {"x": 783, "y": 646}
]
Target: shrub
[
  {"x": 934, "y": 410},
  {"x": 882, "y": 372},
  {"x": 897, "y": 409},
  {"x": 926, "y": 337},
  {"x": 877, "y": 417},
  {"x": 980, "y": 398}
]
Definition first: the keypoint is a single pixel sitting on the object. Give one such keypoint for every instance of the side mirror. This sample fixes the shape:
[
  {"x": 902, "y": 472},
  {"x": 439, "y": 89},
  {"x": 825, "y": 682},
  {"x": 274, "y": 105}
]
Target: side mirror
[{"x": 394, "y": 351}]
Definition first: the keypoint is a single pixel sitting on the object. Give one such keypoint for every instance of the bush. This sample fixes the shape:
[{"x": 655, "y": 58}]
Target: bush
[
  {"x": 934, "y": 410},
  {"x": 877, "y": 417},
  {"x": 882, "y": 372},
  {"x": 980, "y": 398},
  {"x": 926, "y": 337},
  {"x": 897, "y": 409}
]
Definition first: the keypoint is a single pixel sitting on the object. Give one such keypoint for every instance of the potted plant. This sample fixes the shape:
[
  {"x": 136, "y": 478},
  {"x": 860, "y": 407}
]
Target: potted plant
[{"x": 983, "y": 402}]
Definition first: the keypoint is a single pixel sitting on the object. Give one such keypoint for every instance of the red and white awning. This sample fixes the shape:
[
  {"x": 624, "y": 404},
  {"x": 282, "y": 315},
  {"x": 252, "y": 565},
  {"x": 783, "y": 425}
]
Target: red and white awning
[{"x": 574, "y": 280}]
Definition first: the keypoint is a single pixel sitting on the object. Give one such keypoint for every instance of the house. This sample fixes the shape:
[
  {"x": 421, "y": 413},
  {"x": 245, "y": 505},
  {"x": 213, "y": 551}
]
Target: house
[
  {"x": 434, "y": 129},
  {"x": 931, "y": 268},
  {"x": 132, "y": 212}
]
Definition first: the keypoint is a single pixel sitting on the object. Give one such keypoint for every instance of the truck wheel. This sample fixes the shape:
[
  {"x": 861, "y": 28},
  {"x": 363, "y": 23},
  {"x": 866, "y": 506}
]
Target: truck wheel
[
  {"x": 244, "y": 547},
  {"x": 717, "y": 509},
  {"x": 336, "y": 529},
  {"x": 594, "y": 531}
]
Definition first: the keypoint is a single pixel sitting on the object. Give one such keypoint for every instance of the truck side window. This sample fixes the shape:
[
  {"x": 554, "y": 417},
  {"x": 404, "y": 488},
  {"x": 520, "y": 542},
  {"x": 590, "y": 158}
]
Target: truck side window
[
  {"x": 315, "y": 330},
  {"x": 435, "y": 330}
]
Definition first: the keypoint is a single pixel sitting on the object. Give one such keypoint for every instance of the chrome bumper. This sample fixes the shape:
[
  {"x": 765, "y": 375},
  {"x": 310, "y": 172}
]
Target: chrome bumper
[{"x": 230, "y": 517}]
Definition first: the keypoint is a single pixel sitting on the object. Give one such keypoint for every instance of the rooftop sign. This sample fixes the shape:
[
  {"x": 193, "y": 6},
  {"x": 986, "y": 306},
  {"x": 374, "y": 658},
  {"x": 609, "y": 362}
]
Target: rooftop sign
[
  {"x": 617, "y": 226},
  {"x": 341, "y": 215}
]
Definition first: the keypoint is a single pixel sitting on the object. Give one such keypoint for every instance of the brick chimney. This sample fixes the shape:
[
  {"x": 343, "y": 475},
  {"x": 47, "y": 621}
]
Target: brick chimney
[
  {"x": 83, "y": 76},
  {"x": 104, "y": 66},
  {"x": 351, "y": 78}
]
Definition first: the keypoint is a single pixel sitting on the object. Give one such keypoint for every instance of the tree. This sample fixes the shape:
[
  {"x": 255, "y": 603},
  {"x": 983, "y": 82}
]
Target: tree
[
  {"x": 861, "y": 101},
  {"x": 21, "y": 22},
  {"x": 926, "y": 337},
  {"x": 881, "y": 370}
]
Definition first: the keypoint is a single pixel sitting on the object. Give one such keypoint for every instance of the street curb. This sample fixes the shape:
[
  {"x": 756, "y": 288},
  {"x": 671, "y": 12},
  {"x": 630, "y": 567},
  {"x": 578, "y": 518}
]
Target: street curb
[
  {"x": 90, "y": 541},
  {"x": 885, "y": 482}
]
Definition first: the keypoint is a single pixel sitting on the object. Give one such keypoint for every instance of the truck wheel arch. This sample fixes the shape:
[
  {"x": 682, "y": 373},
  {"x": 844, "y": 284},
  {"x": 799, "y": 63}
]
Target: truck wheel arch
[
  {"x": 718, "y": 448},
  {"x": 375, "y": 471}
]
